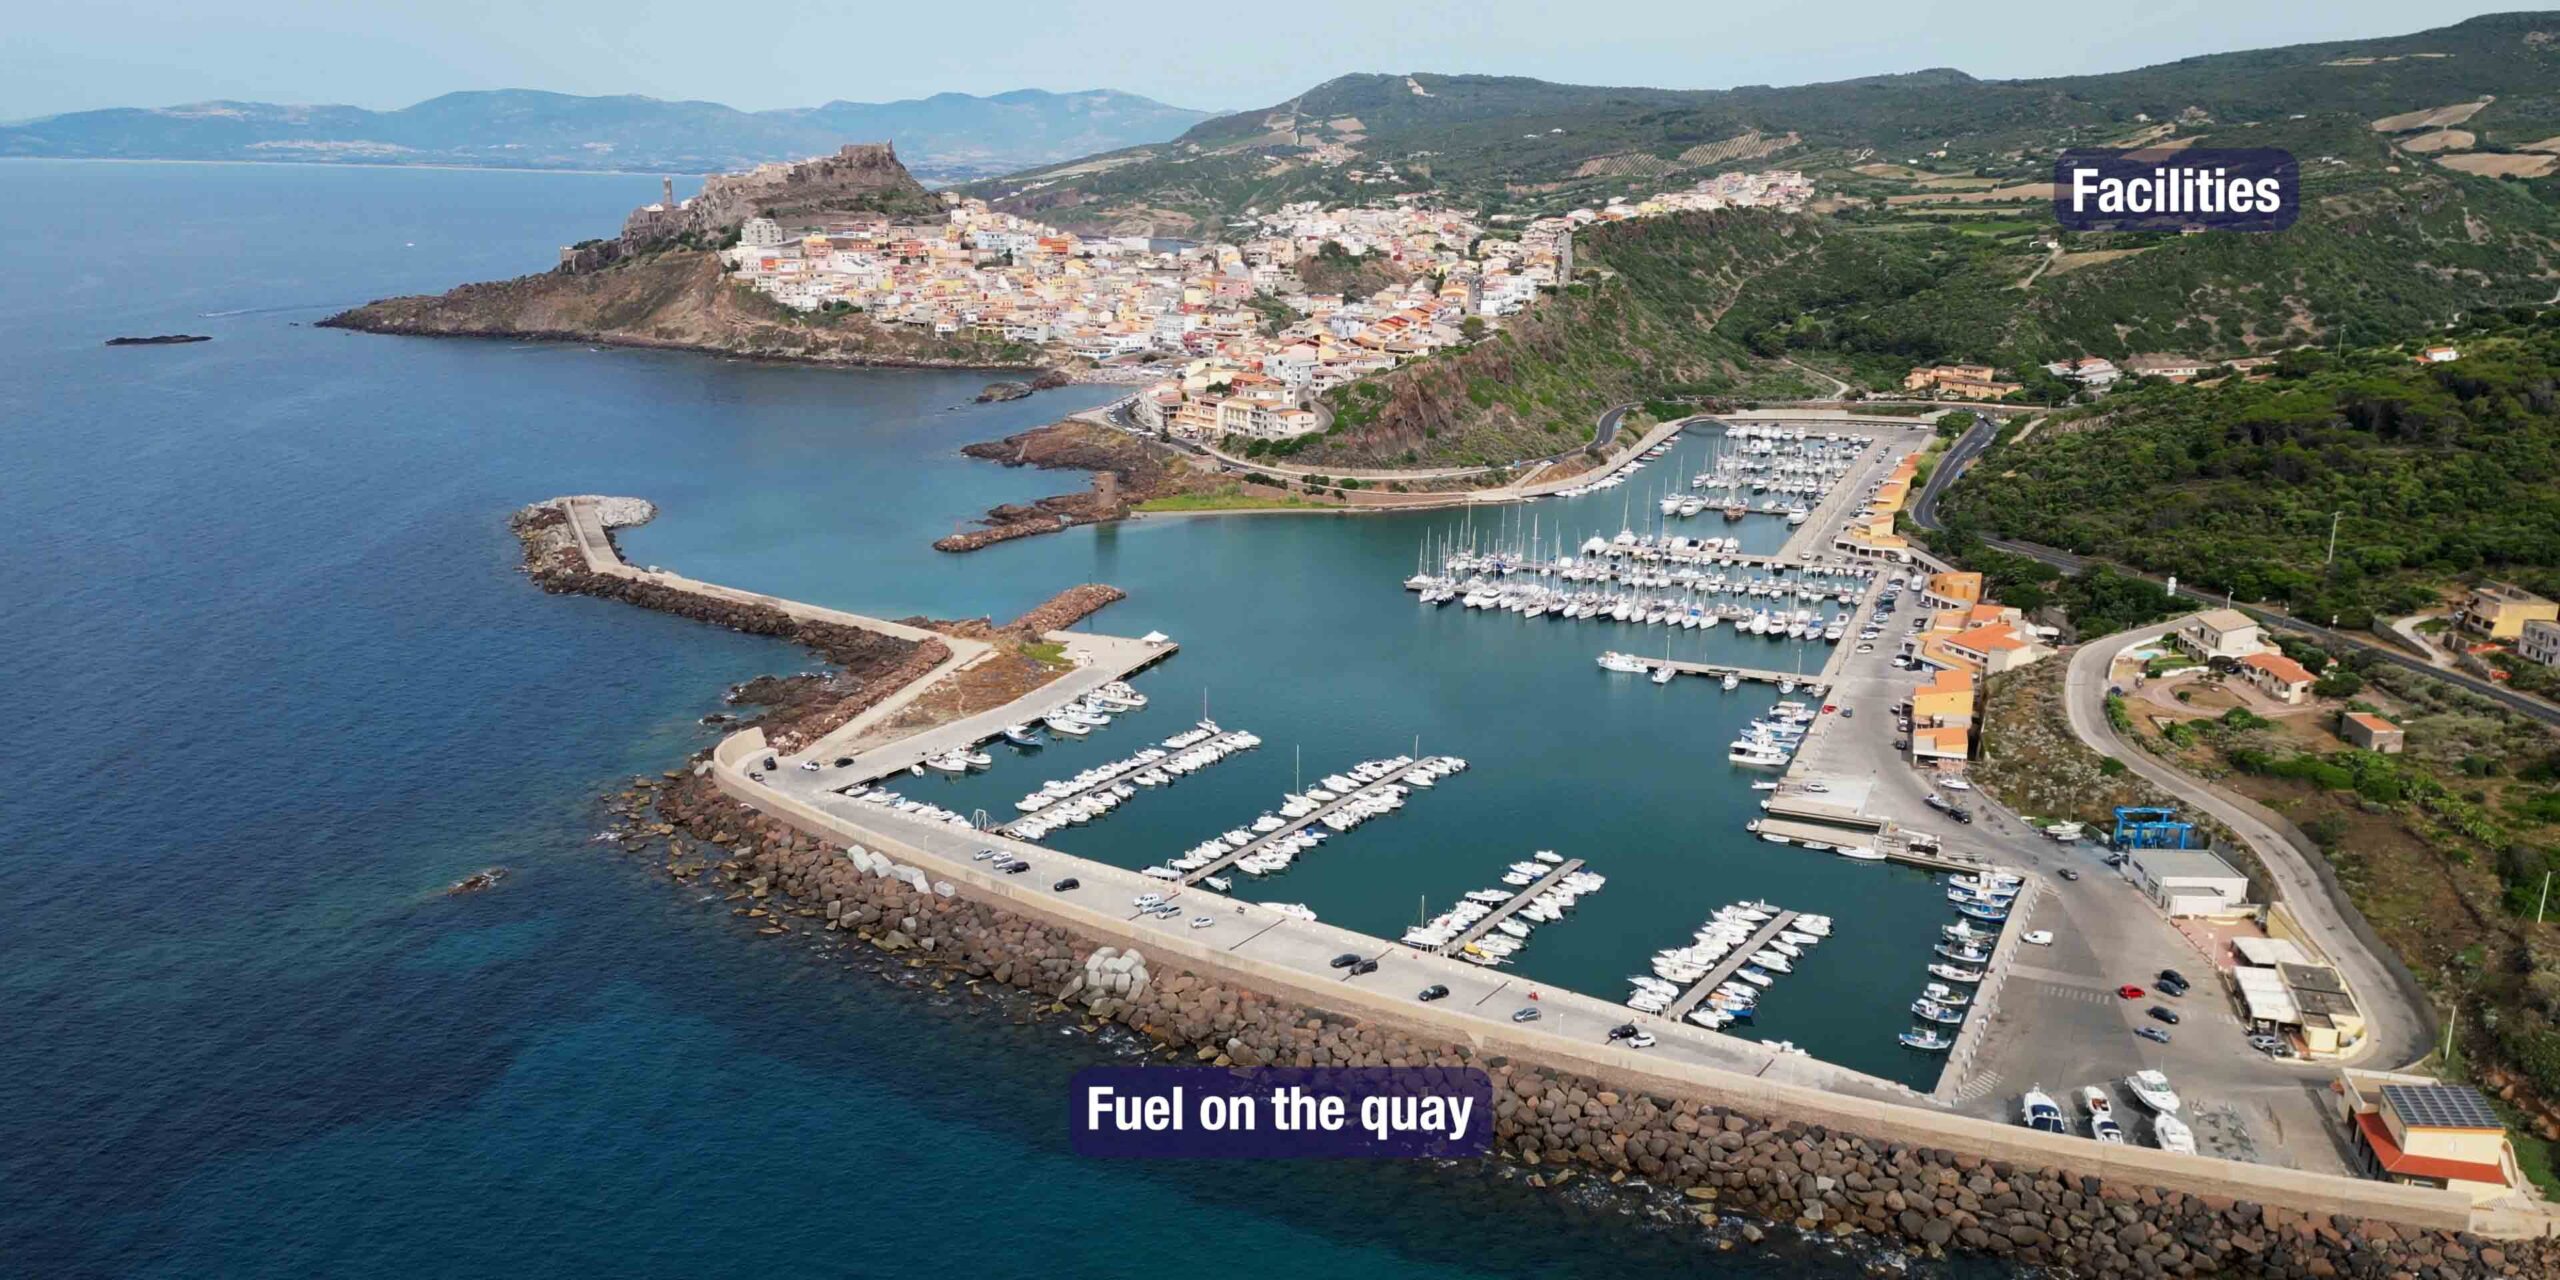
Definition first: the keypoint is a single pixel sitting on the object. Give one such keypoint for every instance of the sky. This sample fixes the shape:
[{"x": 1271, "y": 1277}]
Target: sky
[{"x": 379, "y": 54}]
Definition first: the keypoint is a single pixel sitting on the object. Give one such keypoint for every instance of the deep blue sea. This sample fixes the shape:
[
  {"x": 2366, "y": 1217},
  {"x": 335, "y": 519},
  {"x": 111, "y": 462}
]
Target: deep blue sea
[{"x": 276, "y": 683}]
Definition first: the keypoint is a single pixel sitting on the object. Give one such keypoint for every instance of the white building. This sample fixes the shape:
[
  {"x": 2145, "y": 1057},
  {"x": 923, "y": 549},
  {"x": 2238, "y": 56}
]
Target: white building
[
  {"x": 2539, "y": 642},
  {"x": 2220, "y": 633},
  {"x": 2187, "y": 882},
  {"x": 760, "y": 233}
]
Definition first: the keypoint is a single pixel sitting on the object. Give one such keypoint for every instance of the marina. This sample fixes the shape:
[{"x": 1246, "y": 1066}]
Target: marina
[
  {"x": 1550, "y": 881},
  {"x": 1096, "y": 791},
  {"x": 1726, "y": 968},
  {"x": 1388, "y": 786}
]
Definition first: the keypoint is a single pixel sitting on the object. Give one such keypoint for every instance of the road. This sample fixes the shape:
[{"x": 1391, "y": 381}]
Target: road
[
  {"x": 2395, "y": 1006},
  {"x": 1924, "y": 514}
]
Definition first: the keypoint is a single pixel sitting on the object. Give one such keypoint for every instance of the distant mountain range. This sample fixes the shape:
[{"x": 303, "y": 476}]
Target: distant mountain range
[{"x": 947, "y": 137}]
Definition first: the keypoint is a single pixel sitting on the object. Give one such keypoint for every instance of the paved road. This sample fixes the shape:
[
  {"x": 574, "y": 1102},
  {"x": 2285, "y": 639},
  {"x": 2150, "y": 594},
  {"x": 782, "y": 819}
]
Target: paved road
[{"x": 2403, "y": 1024}]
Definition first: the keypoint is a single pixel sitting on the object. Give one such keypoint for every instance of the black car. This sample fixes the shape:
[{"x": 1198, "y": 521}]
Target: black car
[
  {"x": 1069, "y": 883},
  {"x": 1961, "y": 815},
  {"x": 771, "y": 764},
  {"x": 1016, "y": 867},
  {"x": 1365, "y": 966},
  {"x": 2168, "y": 988},
  {"x": 2068, "y": 873},
  {"x": 1623, "y": 1031},
  {"x": 2164, "y": 1014},
  {"x": 844, "y": 762},
  {"x": 2172, "y": 975},
  {"x": 1345, "y": 960},
  {"x": 1433, "y": 992}
]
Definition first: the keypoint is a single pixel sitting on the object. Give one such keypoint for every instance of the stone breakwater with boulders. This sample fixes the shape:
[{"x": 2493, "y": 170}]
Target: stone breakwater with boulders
[
  {"x": 1720, "y": 1160},
  {"x": 872, "y": 665}
]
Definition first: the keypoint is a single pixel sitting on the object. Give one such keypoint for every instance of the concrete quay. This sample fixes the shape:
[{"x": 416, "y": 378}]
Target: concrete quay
[{"x": 1251, "y": 949}]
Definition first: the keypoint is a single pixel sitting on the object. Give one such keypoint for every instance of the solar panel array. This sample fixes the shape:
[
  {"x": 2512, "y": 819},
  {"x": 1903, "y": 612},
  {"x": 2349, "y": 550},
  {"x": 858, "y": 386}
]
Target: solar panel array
[{"x": 2441, "y": 1106}]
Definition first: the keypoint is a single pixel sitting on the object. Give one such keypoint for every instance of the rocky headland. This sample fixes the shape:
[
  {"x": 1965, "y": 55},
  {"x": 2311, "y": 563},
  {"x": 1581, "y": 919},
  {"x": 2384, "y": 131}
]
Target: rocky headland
[
  {"x": 1126, "y": 471},
  {"x": 660, "y": 282}
]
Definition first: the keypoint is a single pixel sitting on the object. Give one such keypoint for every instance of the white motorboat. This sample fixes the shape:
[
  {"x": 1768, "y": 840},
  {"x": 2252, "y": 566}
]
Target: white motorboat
[
  {"x": 1060, "y": 724},
  {"x": 2038, "y": 1112},
  {"x": 2151, "y": 1089},
  {"x": 2170, "y": 1133},
  {"x": 1621, "y": 662}
]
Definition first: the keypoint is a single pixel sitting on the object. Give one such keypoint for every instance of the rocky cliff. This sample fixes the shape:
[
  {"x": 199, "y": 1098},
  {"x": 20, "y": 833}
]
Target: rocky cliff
[
  {"x": 675, "y": 298},
  {"x": 861, "y": 177}
]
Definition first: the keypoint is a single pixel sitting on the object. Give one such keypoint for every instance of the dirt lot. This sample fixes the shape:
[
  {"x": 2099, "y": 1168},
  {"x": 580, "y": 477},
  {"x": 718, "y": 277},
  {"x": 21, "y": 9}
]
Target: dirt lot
[{"x": 2492, "y": 165}]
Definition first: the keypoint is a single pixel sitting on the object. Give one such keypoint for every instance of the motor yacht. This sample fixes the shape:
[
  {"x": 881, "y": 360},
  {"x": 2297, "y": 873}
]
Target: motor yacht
[
  {"x": 2151, "y": 1089},
  {"x": 2038, "y": 1111}
]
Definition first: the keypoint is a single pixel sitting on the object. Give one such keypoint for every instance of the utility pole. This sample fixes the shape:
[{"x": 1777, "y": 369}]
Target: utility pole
[
  {"x": 2546, "y": 898},
  {"x": 2333, "y": 539}
]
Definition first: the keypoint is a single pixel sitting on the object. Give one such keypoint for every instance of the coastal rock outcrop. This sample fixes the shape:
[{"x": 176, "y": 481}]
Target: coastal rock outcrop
[
  {"x": 676, "y": 298},
  {"x": 1126, "y": 470},
  {"x": 1720, "y": 1159}
]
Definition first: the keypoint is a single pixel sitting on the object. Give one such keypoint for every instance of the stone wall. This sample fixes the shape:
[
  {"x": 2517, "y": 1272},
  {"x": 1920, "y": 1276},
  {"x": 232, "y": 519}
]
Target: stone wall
[{"x": 1822, "y": 1179}]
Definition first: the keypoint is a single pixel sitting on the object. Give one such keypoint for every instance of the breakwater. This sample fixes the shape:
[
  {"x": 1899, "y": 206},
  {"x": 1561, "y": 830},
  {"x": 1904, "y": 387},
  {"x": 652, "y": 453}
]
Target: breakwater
[{"x": 1721, "y": 1155}]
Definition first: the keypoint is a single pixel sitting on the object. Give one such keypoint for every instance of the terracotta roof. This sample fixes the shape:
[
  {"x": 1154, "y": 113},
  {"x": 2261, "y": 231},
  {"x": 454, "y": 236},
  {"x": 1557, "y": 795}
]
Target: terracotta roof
[
  {"x": 2401, "y": 1164},
  {"x": 2371, "y": 721},
  {"x": 2279, "y": 666}
]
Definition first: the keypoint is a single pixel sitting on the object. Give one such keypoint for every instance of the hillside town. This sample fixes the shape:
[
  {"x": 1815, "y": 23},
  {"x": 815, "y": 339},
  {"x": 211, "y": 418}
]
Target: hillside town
[{"x": 1246, "y": 368}]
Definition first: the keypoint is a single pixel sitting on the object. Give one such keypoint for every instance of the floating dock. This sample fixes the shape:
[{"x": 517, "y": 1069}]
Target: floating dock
[
  {"x": 1128, "y": 769},
  {"x": 1813, "y": 684},
  {"x": 1727, "y": 967},
  {"x": 1518, "y": 900},
  {"x": 1395, "y": 779}
]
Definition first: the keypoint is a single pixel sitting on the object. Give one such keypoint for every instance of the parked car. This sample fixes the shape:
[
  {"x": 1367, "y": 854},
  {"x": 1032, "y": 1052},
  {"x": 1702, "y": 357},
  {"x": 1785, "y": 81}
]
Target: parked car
[
  {"x": 2167, "y": 988},
  {"x": 1525, "y": 1013},
  {"x": 2163, "y": 1013},
  {"x": 1016, "y": 867},
  {"x": 2172, "y": 975},
  {"x": 1961, "y": 815},
  {"x": 1345, "y": 960},
  {"x": 1365, "y": 966},
  {"x": 2037, "y": 937},
  {"x": 2153, "y": 1034},
  {"x": 844, "y": 762},
  {"x": 1433, "y": 992},
  {"x": 2128, "y": 990},
  {"x": 1064, "y": 885}
]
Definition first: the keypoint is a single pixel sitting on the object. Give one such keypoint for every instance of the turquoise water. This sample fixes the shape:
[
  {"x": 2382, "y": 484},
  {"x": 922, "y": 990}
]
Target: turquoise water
[{"x": 278, "y": 682}]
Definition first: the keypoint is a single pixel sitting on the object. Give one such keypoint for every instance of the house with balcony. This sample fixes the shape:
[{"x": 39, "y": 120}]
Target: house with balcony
[{"x": 2499, "y": 610}]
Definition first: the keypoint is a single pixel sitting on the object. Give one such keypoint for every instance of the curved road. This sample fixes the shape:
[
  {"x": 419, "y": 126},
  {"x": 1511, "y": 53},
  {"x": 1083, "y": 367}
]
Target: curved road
[
  {"x": 2402, "y": 1022},
  {"x": 1924, "y": 514}
]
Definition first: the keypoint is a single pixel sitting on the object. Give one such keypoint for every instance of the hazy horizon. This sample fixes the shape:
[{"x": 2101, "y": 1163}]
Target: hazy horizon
[{"x": 131, "y": 53}]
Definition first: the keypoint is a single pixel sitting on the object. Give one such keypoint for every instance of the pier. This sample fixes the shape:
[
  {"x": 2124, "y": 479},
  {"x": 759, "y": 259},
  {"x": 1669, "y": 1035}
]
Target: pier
[
  {"x": 1812, "y": 684},
  {"x": 1728, "y": 966},
  {"x": 1128, "y": 768},
  {"x": 1395, "y": 779},
  {"x": 1518, "y": 900}
]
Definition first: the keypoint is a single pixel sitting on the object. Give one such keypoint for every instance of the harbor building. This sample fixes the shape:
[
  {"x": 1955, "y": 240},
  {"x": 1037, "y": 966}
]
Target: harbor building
[
  {"x": 2188, "y": 882},
  {"x": 2425, "y": 1133}
]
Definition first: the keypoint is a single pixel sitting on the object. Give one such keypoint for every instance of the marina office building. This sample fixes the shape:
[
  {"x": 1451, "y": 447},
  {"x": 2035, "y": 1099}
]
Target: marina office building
[{"x": 2188, "y": 882}]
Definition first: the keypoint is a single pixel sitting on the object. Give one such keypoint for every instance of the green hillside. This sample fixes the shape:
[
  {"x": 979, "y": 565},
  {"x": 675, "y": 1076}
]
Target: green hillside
[
  {"x": 1511, "y": 143},
  {"x": 2436, "y": 474}
]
